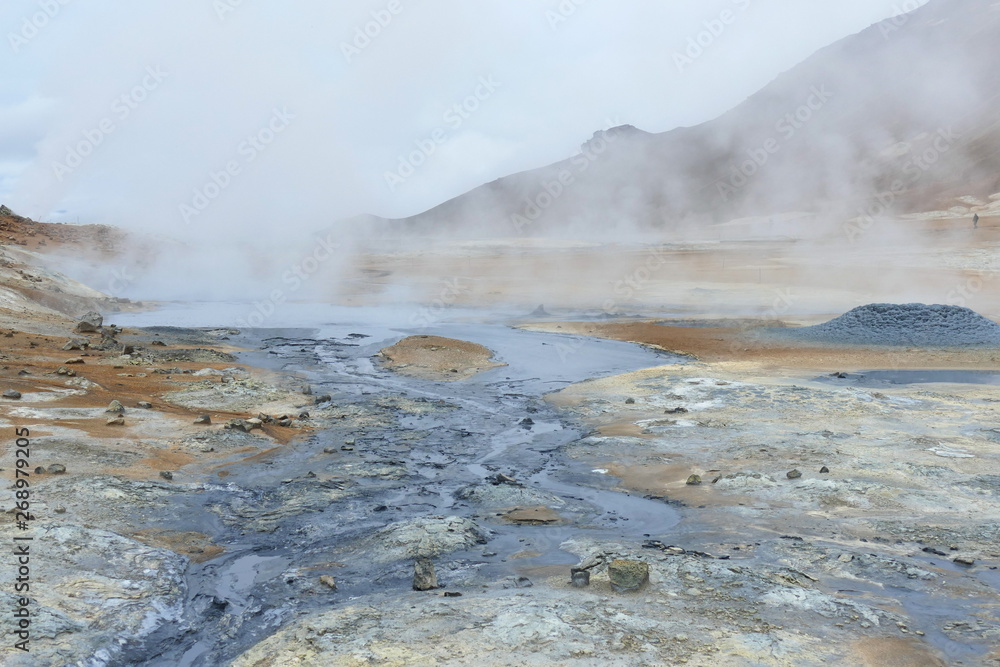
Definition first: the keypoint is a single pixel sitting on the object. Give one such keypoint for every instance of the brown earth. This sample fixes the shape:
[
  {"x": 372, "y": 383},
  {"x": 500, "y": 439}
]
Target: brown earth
[{"x": 437, "y": 358}]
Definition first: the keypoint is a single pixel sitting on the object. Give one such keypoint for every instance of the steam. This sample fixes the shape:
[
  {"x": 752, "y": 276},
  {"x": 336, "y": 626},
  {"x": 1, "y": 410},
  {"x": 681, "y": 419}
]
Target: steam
[{"x": 249, "y": 141}]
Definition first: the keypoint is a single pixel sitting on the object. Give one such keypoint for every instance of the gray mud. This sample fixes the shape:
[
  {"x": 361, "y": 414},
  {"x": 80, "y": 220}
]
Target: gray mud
[
  {"x": 418, "y": 450},
  {"x": 889, "y": 324}
]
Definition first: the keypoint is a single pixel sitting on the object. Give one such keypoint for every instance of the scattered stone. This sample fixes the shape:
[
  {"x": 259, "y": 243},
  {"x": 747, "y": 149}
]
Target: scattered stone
[
  {"x": 56, "y": 469},
  {"x": 303, "y": 415},
  {"x": 22, "y": 373},
  {"x": 452, "y": 594},
  {"x": 116, "y": 407},
  {"x": 628, "y": 575},
  {"x": 501, "y": 478},
  {"x": 90, "y": 323},
  {"x": 146, "y": 405},
  {"x": 166, "y": 474},
  {"x": 74, "y": 360},
  {"x": 424, "y": 578},
  {"x": 325, "y": 398},
  {"x": 267, "y": 419},
  {"x": 824, "y": 470},
  {"x": 675, "y": 411},
  {"x": 328, "y": 581},
  {"x": 40, "y": 470},
  {"x": 158, "y": 343},
  {"x": 579, "y": 577},
  {"x": 932, "y": 550},
  {"x": 527, "y": 421},
  {"x": 693, "y": 480},
  {"x": 203, "y": 419},
  {"x": 75, "y": 344},
  {"x": 630, "y": 401},
  {"x": 62, "y": 370},
  {"x": 964, "y": 560},
  {"x": 793, "y": 474},
  {"x": 59, "y": 510},
  {"x": 287, "y": 423},
  {"x": 116, "y": 421},
  {"x": 12, "y": 394}
]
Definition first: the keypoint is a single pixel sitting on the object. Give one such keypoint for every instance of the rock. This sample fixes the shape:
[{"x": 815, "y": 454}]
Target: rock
[
  {"x": 303, "y": 415},
  {"x": 59, "y": 510},
  {"x": 146, "y": 405},
  {"x": 203, "y": 419},
  {"x": 527, "y": 421},
  {"x": 579, "y": 577},
  {"x": 12, "y": 394},
  {"x": 693, "y": 480},
  {"x": 56, "y": 469},
  {"x": 166, "y": 474},
  {"x": 127, "y": 350},
  {"x": 40, "y": 470},
  {"x": 245, "y": 425},
  {"x": 628, "y": 575},
  {"x": 325, "y": 398},
  {"x": 287, "y": 423},
  {"x": 254, "y": 423},
  {"x": 675, "y": 411},
  {"x": 75, "y": 344},
  {"x": 116, "y": 421},
  {"x": 824, "y": 470},
  {"x": 425, "y": 537},
  {"x": 964, "y": 560},
  {"x": 74, "y": 360},
  {"x": 90, "y": 323},
  {"x": 328, "y": 581},
  {"x": 629, "y": 401},
  {"x": 62, "y": 370},
  {"x": 116, "y": 407},
  {"x": 793, "y": 474},
  {"x": 266, "y": 419},
  {"x": 424, "y": 578}
]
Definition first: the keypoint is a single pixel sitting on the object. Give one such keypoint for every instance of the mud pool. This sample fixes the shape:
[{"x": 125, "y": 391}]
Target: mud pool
[{"x": 307, "y": 510}]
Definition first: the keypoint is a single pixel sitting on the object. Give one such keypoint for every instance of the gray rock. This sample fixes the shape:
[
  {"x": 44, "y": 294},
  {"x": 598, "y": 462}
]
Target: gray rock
[
  {"x": 75, "y": 344},
  {"x": 116, "y": 407},
  {"x": 203, "y": 419},
  {"x": 793, "y": 474},
  {"x": 116, "y": 421},
  {"x": 146, "y": 405},
  {"x": 56, "y": 469},
  {"x": 166, "y": 474},
  {"x": 693, "y": 480},
  {"x": 328, "y": 581},
  {"x": 580, "y": 578},
  {"x": 12, "y": 394},
  {"x": 90, "y": 323},
  {"x": 426, "y": 537},
  {"x": 628, "y": 575},
  {"x": 424, "y": 577}
]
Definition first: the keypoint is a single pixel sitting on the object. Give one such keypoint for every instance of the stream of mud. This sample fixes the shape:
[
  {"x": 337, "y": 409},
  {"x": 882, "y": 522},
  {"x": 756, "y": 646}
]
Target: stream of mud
[{"x": 283, "y": 521}]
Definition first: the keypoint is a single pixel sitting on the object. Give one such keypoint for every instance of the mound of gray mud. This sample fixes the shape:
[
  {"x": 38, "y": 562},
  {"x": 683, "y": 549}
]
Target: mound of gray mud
[{"x": 902, "y": 324}]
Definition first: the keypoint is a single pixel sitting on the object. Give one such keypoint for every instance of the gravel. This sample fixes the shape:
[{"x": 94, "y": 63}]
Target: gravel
[{"x": 902, "y": 324}]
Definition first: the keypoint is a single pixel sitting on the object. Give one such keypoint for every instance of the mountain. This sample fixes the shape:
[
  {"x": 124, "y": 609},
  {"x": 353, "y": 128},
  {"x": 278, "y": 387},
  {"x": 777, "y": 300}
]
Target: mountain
[{"x": 898, "y": 118}]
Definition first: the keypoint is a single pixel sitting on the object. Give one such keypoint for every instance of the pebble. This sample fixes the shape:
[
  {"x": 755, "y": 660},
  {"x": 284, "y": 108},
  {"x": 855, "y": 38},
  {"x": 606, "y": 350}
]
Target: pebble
[
  {"x": 693, "y": 480},
  {"x": 56, "y": 469},
  {"x": 328, "y": 581},
  {"x": 116, "y": 421},
  {"x": 12, "y": 394},
  {"x": 203, "y": 419},
  {"x": 166, "y": 474},
  {"x": 963, "y": 560},
  {"x": 629, "y": 401},
  {"x": 824, "y": 470},
  {"x": 74, "y": 360},
  {"x": 116, "y": 407},
  {"x": 580, "y": 578},
  {"x": 793, "y": 474},
  {"x": 144, "y": 404}
]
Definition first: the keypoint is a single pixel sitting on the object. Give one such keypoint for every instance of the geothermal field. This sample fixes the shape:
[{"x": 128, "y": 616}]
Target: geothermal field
[{"x": 717, "y": 383}]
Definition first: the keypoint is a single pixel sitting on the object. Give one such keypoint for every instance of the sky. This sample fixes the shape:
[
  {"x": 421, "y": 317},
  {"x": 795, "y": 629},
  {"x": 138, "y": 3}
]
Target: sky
[{"x": 222, "y": 117}]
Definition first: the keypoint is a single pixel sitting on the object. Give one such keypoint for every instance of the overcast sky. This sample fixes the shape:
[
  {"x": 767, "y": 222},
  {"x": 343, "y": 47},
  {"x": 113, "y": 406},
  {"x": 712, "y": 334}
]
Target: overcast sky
[{"x": 226, "y": 115}]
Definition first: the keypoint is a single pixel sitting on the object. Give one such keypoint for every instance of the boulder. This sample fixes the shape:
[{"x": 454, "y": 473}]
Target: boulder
[
  {"x": 424, "y": 577},
  {"x": 90, "y": 323},
  {"x": 628, "y": 575}
]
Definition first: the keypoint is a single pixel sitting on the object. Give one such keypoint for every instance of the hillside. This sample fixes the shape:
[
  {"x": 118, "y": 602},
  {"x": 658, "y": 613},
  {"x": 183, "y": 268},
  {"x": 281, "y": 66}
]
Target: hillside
[{"x": 898, "y": 117}]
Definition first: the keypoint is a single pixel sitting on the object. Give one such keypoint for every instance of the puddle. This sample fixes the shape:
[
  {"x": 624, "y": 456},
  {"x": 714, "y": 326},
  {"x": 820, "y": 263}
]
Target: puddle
[{"x": 884, "y": 378}]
